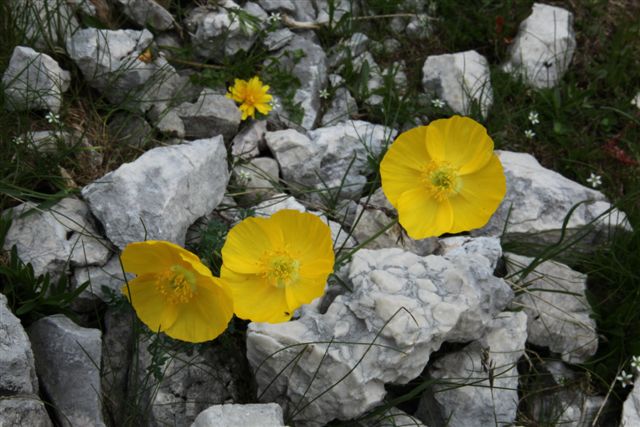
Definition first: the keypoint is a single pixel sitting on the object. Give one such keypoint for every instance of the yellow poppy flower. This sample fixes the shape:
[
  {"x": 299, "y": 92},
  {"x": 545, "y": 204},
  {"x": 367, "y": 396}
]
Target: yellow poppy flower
[
  {"x": 443, "y": 178},
  {"x": 272, "y": 266},
  {"x": 174, "y": 292},
  {"x": 251, "y": 95}
]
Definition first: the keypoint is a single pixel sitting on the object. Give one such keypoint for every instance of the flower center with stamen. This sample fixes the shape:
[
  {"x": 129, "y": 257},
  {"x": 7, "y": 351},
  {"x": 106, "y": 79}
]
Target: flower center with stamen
[
  {"x": 280, "y": 268},
  {"x": 177, "y": 285},
  {"x": 441, "y": 180}
]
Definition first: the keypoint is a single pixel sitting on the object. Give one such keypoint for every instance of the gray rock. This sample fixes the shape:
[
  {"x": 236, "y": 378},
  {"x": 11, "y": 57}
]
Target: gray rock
[
  {"x": 104, "y": 281},
  {"x": 393, "y": 417},
  {"x": 342, "y": 106},
  {"x": 557, "y": 395},
  {"x": 352, "y": 47},
  {"x": 339, "y": 9},
  {"x": 159, "y": 195},
  {"x": 375, "y": 80},
  {"x": 56, "y": 141},
  {"x": 278, "y": 39},
  {"x": 218, "y": 31},
  {"x": 458, "y": 245},
  {"x": 166, "y": 120},
  {"x": 402, "y": 308},
  {"x": 117, "y": 352},
  {"x": 212, "y": 114},
  {"x": 553, "y": 296},
  {"x": 191, "y": 382},
  {"x": 311, "y": 71},
  {"x": 460, "y": 79},
  {"x": 44, "y": 23},
  {"x": 249, "y": 415},
  {"x": 375, "y": 213},
  {"x": 34, "y": 81},
  {"x": 631, "y": 407},
  {"x": 246, "y": 144},
  {"x": 480, "y": 382},
  {"x": 110, "y": 62},
  {"x": 297, "y": 156},
  {"x": 391, "y": 45},
  {"x": 68, "y": 365},
  {"x": 50, "y": 239},
  {"x": 256, "y": 179},
  {"x": 130, "y": 129},
  {"x": 24, "y": 411},
  {"x": 147, "y": 13},
  {"x": 299, "y": 10},
  {"x": 538, "y": 200},
  {"x": 17, "y": 367},
  {"x": 543, "y": 49}
]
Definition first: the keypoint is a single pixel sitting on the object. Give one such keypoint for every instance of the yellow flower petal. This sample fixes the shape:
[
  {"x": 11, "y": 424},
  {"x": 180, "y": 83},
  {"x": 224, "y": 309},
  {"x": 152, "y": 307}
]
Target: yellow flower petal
[
  {"x": 304, "y": 291},
  {"x": 145, "y": 257},
  {"x": 247, "y": 242},
  {"x": 423, "y": 216},
  {"x": 402, "y": 165},
  {"x": 461, "y": 141},
  {"x": 150, "y": 306},
  {"x": 251, "y": 95}
]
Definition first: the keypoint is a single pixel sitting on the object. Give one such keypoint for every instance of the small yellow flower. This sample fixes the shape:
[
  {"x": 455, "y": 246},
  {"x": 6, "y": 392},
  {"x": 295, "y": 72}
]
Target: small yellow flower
[
  {"x": 272, "y": 266},
  {"x": 174, "y": 292},
  {"x": 251, "y": 95},
  {"x": 443, "y": 178}
]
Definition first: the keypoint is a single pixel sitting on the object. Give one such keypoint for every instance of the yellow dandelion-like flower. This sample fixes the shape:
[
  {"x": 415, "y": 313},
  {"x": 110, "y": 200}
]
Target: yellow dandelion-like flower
[
  {"x": 272, "y": 266},
  {"x": 251, "y": 95},
  {"x": 443, "y": 178},
  {"x": 174, "y": 292}
]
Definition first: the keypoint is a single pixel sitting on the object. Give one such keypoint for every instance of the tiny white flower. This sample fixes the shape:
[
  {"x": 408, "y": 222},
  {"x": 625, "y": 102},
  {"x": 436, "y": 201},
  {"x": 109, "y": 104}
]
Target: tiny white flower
[
  {"x": 324, "y": 94},
  {"x": 274, "y": 18},
  {"x": 275, "y": 104},
  {"x": 437, "y": 102},
  {"x": 635, "y": 363},
  {"x": 244, "y": 177},
  {"x": 54, "y": 119},
  {"x": 529, "y": 134},
  {"x": 533, "y": 118},
  {"x": 625, "y": 379},
  {"x": 594, "y": 180},
  {"x": 18, "y": 140}
]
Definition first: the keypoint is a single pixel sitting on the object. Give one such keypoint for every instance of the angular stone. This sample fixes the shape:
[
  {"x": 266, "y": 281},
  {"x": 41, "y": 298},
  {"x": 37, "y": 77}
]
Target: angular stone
[
  {"x": 488, "y": 246},
  {"x": 485, "y": 376},
  {"x": 130, "y": 129},
  {"x": 113, "y": 63},
  {"x": 460, "y": 79},
  {"x": 544, "y": 47},
  {"x": 163, "y": 192},
  {"x": 50, "y": 239},
  {"x": 311, "y": 71},
  {"x": 297, "y": 156},
  {"x": 538, "y": 200},
  {"x": 631, "y": 407},
  {"x": 44, "y": 23},
  {"x": 166, "y": 120},
  {"x": 256, "y": 179},
  {"x": 558, "y": 310},
  {"x": 191, "y": 382},
  {"x": 17, "y": 367},
  {"x": 249, "y": 415},
  {"x": 34, "y": 81},
  {"x": 342, "y": 106},
  {"x": 105, "y": 281},
  {"x": 401, "y": 309},
  {"x": 278, "y": 39},
  {"x": 246, "y": 144},
  {"x": 147, "y": 12},
  {"x": 212, "y": 114},
  {"x": 392, "y": 417},
  {"x": 68, "y": 365},
  {"x": 24, "y": 411}
]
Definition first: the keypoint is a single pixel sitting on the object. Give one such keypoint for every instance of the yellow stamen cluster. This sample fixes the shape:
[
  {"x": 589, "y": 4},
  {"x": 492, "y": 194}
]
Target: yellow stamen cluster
[
  {"x": 280, "y": 268},
  {"x": 441, "y": 180},
  {"x": 177, "y": 285}
]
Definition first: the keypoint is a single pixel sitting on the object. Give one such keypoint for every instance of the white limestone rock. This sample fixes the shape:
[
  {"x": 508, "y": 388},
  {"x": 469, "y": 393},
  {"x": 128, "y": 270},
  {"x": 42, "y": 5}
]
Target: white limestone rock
[
  {"x": 402, "y": 308},
  {"x": 543, "y": 49},
  {"x": 631, "y": 407},
  {"x": 342, "y": 106},
  {"x": 110, "y": 61},
  {"x": 257, "y": 180},
  {"x": 538, "y": 200},
  {"x": 218, "y": 30},
  {"x": 460, "y": 79},
  {"x": 104, "y": 281},
  {"x": 234, "y": 415},
  {"x": 392, "y": 417},
  {"x": 559, "y": 314},
  {"x": 44, "y": 23},
  {"x": 49, "y": 239},
  {"x": 24, "y": 411},
  {"x": 68, "y": 365},
  {"x": 246, "y": 144},
  {"x": 163, "y": 192},
  {"x": 34, "y": 81},
  {"x": 298, "y": 157},
  {"x": 278, "y": 39},
  {"x": 212, "y": 114},
  {"x": 485, "y": 377},
  {"x": 147, "y": 12},
  {"x": 458, "y": 245}
]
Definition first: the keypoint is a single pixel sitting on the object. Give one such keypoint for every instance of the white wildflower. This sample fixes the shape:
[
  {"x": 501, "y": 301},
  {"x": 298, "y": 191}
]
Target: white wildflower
[
  {"x": 275, "y": 104},
  {"x": 324, "y": 94},
  {"x": 529, "y": 134},
  {"x": 594, "y": 180},
  {"x": 533, "y": 118},
  {"x": 625, "y": 379},
  {"x": 274, "y": 18},
  {"x": 437, "y": 102},
  {"x": 635, "y": 363},
  {"x": 18, "y": 140},
  {"x": 54, "y": 119}
]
